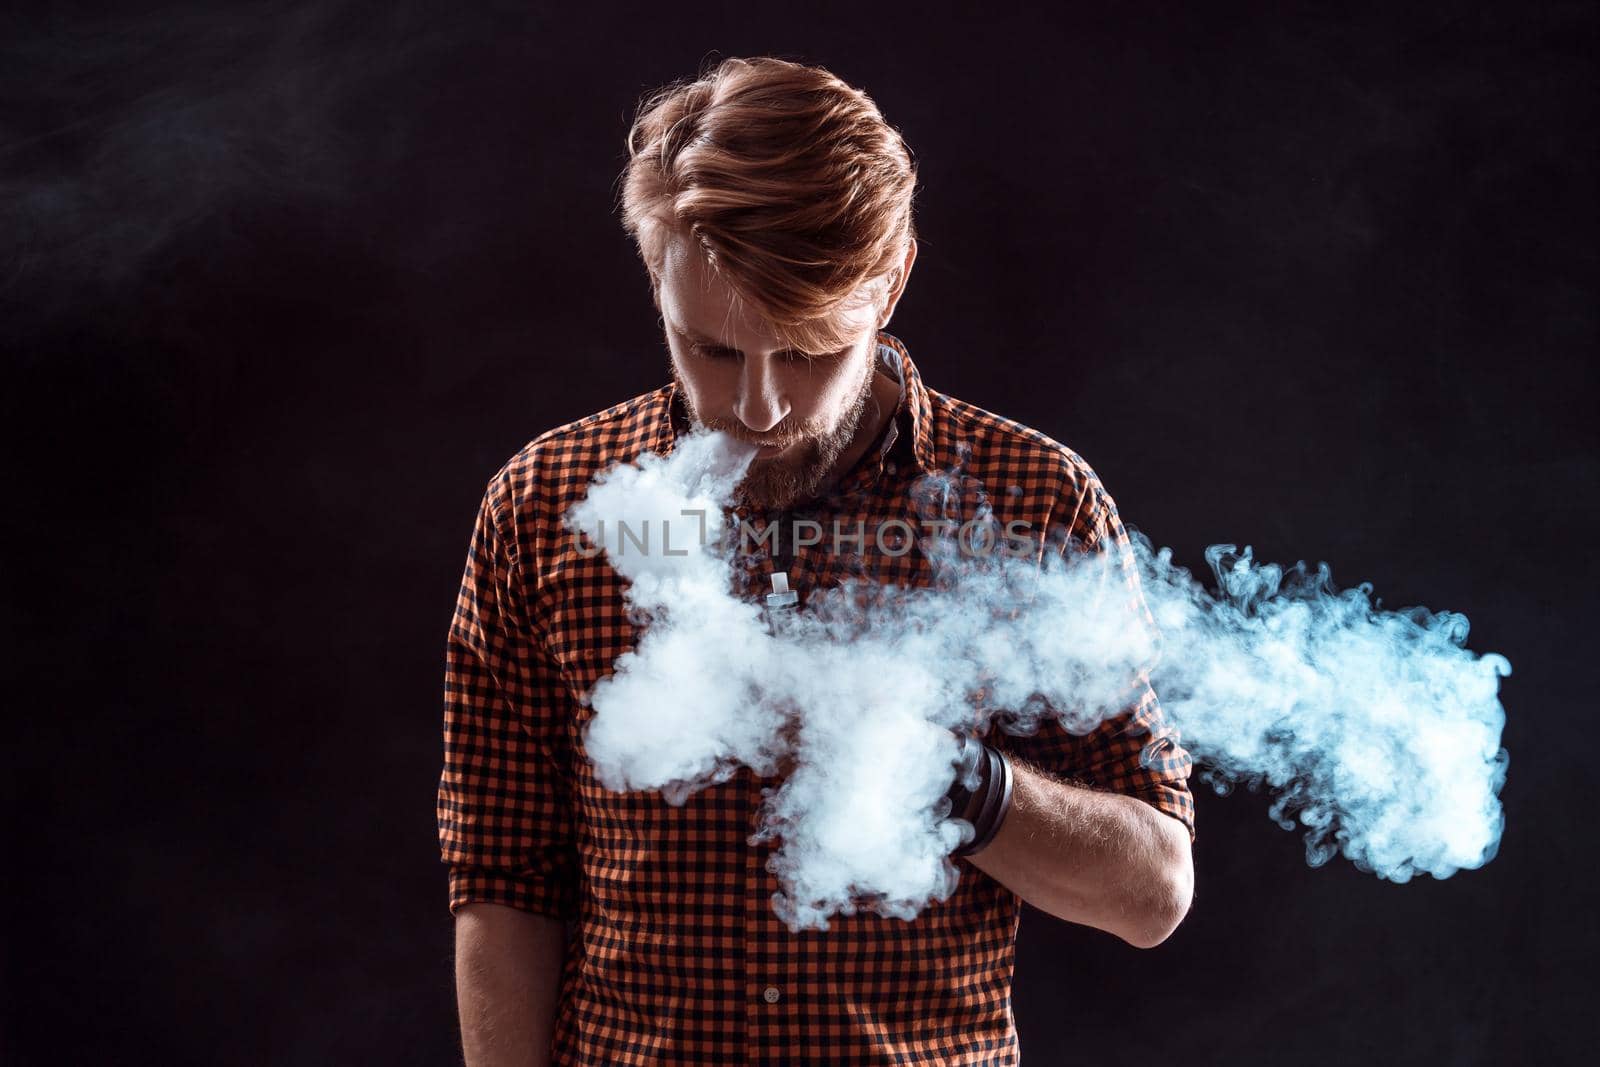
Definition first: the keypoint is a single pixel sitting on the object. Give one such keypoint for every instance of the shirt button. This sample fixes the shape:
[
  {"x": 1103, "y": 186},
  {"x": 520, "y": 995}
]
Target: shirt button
[
  {"x": 771, "y": 995},
  {"x": 889, "y": 467}
]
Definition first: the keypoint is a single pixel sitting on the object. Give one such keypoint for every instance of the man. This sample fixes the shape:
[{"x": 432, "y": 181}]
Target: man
[{"x": 772, "y": 208}]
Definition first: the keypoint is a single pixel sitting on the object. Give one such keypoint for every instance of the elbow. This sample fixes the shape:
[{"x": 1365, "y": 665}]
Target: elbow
[
  {"x": 1161, "y": 921},
  {"x": 1164, "y": 907}
]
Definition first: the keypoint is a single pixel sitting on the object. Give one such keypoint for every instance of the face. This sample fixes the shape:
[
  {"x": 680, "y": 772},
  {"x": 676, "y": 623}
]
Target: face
[{"x": 736, "y": 376}]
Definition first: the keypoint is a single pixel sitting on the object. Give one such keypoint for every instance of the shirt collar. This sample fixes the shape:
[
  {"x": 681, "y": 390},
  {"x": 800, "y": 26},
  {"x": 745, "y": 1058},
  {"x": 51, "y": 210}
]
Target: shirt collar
[
  {"x": 913, "y": 419},
  {"x": 909, "y": 434}
]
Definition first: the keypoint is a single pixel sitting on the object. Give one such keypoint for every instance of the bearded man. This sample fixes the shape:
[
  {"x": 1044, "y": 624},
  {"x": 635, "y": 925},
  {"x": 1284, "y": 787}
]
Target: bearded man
[{"x": 772, "y": 207}]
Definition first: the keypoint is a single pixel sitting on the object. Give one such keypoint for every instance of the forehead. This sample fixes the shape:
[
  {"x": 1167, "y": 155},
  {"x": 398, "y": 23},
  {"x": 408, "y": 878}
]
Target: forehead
[
  {"x": 701, "y": 305},
  {"x": 703, "y": 301}
]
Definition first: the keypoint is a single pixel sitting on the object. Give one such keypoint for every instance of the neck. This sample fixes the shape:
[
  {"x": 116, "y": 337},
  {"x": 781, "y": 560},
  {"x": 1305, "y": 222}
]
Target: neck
[{"x": 881, "y": 407}]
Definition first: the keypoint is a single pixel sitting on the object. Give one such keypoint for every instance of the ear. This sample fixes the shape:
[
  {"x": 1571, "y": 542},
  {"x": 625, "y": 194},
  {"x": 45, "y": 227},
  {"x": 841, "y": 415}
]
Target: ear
[{"x": 897, "y": 283}]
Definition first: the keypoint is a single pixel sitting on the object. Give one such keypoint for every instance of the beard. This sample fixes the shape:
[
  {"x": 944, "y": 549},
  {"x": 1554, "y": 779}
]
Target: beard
[{"x": 779, "y": 482}]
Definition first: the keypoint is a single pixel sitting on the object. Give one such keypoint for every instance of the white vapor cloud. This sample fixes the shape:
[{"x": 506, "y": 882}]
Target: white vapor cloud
[{"x": 1378, "y": 730}]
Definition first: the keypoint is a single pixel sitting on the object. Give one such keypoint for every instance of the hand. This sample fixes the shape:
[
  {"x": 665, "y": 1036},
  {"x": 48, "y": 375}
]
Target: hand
[
  {"x": 969, "y": 751},
  {"x": 787, "y": 745},
  {"x": 981, "y": 792}
]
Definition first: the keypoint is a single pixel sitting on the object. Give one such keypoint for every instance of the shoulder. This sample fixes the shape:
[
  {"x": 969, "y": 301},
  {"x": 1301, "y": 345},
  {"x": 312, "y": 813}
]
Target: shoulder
[
  {"x": 1049, "y": 477},
  {"x": 555, "y": 468}
]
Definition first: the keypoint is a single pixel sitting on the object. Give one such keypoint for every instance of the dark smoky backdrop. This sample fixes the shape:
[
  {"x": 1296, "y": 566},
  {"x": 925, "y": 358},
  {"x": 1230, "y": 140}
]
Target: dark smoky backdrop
[{"x": 284, "y": 285}]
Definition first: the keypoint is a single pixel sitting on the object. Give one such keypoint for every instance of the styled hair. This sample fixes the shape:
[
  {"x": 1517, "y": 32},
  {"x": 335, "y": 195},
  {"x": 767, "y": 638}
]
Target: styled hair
[{"x": 789, "y": 180}]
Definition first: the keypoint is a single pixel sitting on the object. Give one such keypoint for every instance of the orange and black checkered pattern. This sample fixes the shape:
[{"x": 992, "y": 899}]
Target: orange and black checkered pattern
[{"x": 677, "y": 956}]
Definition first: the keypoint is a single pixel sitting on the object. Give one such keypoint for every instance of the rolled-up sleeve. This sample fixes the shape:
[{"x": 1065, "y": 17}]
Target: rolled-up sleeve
[
  {"x": 504, "y": 810},
  {"x": 1136, "y": 751}
]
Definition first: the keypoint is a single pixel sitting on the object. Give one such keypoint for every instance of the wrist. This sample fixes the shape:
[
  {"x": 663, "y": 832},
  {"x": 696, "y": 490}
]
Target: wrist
[{"x": 981, "y": 793}]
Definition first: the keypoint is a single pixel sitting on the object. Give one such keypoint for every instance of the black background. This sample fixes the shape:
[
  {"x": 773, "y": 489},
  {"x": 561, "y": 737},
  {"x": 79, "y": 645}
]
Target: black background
[{"x": 283, "y": 287}]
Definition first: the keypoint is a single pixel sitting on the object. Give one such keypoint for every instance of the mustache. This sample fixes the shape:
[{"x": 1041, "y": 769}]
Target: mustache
[{"x": 782, "y": 442}]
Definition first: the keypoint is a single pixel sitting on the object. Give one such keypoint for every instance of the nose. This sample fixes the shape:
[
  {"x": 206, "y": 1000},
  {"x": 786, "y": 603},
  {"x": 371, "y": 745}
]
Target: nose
[{"x": 761, "y": 404}]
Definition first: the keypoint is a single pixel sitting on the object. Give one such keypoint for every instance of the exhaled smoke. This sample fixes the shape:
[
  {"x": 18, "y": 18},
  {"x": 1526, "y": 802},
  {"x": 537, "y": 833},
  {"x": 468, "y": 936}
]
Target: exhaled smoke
[{"x": 1378, "y": 729}]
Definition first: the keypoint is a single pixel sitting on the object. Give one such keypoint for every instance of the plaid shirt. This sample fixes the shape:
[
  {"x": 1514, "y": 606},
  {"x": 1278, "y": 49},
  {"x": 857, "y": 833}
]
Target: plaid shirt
[{"x": 676, "y": 955}]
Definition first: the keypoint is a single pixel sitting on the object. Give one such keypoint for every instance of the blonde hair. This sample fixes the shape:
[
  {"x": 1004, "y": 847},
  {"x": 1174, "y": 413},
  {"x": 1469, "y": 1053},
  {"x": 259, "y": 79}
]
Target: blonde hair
[{"x": 790, "y": 182}]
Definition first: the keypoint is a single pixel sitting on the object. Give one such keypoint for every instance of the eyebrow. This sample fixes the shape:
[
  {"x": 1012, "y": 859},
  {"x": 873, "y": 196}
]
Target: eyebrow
[{"x": 700, "y": 339}]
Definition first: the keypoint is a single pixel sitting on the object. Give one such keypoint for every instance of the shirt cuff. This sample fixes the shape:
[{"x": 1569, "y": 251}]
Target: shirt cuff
[
  {"x": 539, "y": 896},
  {"x": 1178, "y": 803}
]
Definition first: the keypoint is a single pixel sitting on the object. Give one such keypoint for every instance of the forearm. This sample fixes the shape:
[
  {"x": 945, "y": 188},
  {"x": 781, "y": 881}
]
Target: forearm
[
  {"x": 1101, "y": 859},
  {"x": 508, "y": 977}
]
